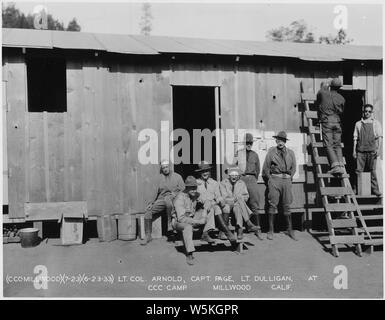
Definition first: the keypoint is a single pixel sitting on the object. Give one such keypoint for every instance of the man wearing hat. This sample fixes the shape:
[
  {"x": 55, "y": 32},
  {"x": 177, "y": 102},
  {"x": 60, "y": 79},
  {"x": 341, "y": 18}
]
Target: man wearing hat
[
  {"x": 211, "y": 197},
  {"x": 168, "y": 185},
  {"x": 185, "y": 216},
  {"x": 235, "y": 195},
  {"x": 278, "y": 171},
  {"x": 248, "y": 162},
  {"x": 331, "y": 106}
]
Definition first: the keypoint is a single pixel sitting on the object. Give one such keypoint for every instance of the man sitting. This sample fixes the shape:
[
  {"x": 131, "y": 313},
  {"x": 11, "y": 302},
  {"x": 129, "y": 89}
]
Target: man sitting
[
  {"x": 185, "y": 216},
  {"x": 211, "y": 197},
  {"x": 234, "y": 192},
  {"x": 168, "y": 185}
]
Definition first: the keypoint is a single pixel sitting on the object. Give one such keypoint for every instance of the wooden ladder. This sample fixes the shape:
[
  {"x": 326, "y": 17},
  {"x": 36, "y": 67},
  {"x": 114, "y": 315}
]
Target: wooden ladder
[{"x": 342, "y": 210}]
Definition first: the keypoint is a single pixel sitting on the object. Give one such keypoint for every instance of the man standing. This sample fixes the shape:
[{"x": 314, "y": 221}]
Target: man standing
[
  {"x": 185, "y": 216},
  {"x": 367, "y": 139},
  {"x": 211, "y": 197},
  {"x": 234, "y": 192},
  {"x": 331, "y": 106},
  {"x": 278, "y": 171},
  {"x": 248, "y": 162},
  {"x": 168, "y": 185}
]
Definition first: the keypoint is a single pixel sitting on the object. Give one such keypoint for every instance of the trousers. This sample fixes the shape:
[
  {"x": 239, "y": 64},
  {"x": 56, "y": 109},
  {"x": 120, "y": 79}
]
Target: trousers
[
  {"x": 331, "y": 135},
  {"x": 185, "y": 226},
  {"x": 252, "y": 188},
  {"x": 280, "y": 190},
  {"x": 366, "y": 161}
]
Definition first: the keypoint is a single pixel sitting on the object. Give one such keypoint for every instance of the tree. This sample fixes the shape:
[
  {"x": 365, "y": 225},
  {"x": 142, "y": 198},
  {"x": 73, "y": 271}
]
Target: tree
[
  {"x": 73, "y": 25},
  {"x": 341, "y": 38},
  {"x": 145, "y": 23},
  {"x": 298, "y": 31},
  {"x": 14, "y": 18}
]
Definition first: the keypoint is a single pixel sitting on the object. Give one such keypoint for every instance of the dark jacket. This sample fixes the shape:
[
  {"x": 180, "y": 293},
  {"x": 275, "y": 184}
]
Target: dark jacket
[
  {"x": 330, "y": 105},
  {"x": 275, "y": 164}
]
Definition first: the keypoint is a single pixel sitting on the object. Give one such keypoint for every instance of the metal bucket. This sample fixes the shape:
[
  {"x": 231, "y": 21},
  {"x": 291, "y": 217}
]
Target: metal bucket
[
  {"x": 127, "y": 226},
  {"x": 29, "y": 237}
]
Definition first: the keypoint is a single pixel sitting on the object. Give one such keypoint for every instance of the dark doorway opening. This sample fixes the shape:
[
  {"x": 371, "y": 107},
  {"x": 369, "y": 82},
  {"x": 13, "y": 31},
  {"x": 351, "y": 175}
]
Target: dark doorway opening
[
  {"x": 194, "y": 108},
  {"x": 355, "y": 99}
]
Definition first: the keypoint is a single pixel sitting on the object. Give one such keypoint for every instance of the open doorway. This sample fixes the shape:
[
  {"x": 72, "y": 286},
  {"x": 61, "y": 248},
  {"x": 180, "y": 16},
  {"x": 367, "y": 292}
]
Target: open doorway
[
  {"x": 355, "y": 99},
  {"x": 194, "y": 108}
]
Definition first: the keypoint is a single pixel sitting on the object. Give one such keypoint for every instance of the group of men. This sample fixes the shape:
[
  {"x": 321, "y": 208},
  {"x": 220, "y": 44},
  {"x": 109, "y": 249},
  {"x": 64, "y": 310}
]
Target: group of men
[{"x": 205, "y": 203}]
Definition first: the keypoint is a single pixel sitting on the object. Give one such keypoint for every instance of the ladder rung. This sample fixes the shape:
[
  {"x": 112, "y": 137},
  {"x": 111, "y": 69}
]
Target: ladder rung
[
  {"x": 346, "y": 239},
  {"x": 370, "y": 206},
  {"x": 311, "y": 114},
  {"x": 373, "y": 217},
  {"x": 336, "y": 191},
  {"x": 340, "y": 207},
  {"x": 308, "y": 96},
  {"x": 372, "y": 229},
  {"x": 324, "y": 160},
  {"x": 374, "y": 242},
  {"x": 321, "y": 145},
  {"x": 313, "y": 129},
  {"x": 344, "y": 223},
  {"x": 328, "y": 175}
]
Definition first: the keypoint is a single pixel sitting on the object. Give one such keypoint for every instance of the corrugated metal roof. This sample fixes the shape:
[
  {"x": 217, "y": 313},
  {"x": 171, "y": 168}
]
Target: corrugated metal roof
[{"x": 135, "y": 44}]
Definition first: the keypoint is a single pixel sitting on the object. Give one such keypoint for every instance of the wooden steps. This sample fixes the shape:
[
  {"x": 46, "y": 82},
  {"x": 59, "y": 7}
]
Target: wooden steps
[
  {"x": 354, "y": 239},
  {"x": 340, "y": 207},
  {"x": 342, "y": 230},
  {"x": 344, "y": 223},
  {"x": 199, "y": 242},
  {"x": 336, "y": 191}
]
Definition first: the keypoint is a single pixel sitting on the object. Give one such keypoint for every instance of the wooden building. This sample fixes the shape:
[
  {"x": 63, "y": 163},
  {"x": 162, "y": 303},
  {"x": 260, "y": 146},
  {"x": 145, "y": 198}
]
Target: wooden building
[{"x": 74, "y": 104}]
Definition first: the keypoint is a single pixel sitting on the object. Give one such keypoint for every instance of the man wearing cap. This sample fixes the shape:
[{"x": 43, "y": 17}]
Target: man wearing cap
[
  {"x": 168, "y": 185},
  {"x": 278, "y": 171},
  {"x": 331, "y": 106},
  {"x": 248, "y": 162},
  {"x": 211, "y": 197},
  {"x": 186, "y": 215},
  {"x": 367, "y": 139},
  {"x": 235, "y": 195}
]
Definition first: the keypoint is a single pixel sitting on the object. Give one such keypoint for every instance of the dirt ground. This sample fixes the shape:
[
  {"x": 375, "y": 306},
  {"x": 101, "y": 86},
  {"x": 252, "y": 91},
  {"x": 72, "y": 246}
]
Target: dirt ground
[{"x": 267, "y": 269}]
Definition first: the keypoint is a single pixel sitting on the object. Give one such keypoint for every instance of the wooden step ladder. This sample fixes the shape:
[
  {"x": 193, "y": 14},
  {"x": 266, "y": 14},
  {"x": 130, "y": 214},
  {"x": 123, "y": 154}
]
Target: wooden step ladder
[{"x": 342, "y": 210}]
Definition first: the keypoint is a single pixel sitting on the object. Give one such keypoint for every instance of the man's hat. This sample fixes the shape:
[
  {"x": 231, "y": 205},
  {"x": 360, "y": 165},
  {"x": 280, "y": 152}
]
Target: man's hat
[
  {"x": 191, "y": 182},
  {"x": 281, "y": 136},
  {"x": 336, "y": 82},
  {"x": 248, "y": 138},
  {"x": 203, "y": 166},
  {"x": 232, "y": 170},
  {"x": 164, "y": 162}
]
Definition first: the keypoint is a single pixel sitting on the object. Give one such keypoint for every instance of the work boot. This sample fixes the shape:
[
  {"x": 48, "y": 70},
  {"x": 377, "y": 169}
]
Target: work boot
[
  {"x": 147, "y": 232},
  {"x": 377, "y": 193},
  {"x": 337, "y": 170},
  {"x": 239, "y": 233},
  {"x": 227, "y": 234},
  {"x": 251, "y": 226},
  {"x": 190, "y": 258},
  {"x": 258, "y": 233},
  {"x": 271, "y": 226},
  {"x": 290, "y": 230},
  {"x": 207, "y": 238}
]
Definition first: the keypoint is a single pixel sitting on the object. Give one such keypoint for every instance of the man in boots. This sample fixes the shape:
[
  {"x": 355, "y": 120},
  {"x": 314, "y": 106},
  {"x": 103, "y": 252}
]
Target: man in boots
[
  {"x": 278, "y": 171},
  {"x": 331, "y": 105},
  {"x": 210, "y": 196},
  {"x": 367, "y": 138},
  {"x": 235, "y": 195},
  {"x": 168, "y": 185},
  {"x": 185, "y": 216},
  {"x": 248, "y": 162}
]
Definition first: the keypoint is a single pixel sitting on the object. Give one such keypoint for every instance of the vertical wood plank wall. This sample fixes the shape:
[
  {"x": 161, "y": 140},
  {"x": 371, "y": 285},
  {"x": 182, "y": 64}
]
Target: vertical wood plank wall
[{"x": 90, "y": 152}]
